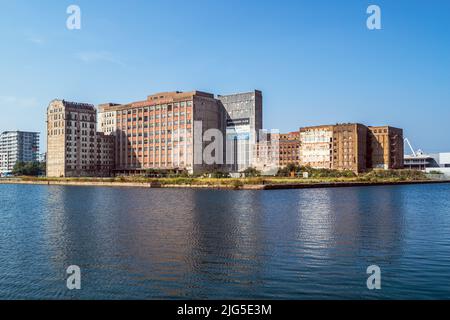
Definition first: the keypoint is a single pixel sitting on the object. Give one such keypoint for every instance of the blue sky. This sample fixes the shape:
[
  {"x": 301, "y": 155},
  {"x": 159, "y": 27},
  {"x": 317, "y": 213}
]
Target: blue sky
[{"x": 315, "y": 61}]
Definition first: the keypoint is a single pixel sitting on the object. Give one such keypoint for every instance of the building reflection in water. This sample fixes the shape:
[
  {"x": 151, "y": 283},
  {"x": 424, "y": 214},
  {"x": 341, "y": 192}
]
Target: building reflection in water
[
  {"x": 211, "y": 243},
  {"x": 126, "y": 232},
  {"x": 230, "y": 233},
  {"x": 353, "y": 219},
  {"x": 343, "y": 231}
]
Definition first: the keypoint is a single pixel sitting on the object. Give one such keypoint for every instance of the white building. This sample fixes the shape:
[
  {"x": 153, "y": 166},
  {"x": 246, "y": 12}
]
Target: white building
[
  {"x": 17, "y": 146},
  {"x": 438, "y": 162}
]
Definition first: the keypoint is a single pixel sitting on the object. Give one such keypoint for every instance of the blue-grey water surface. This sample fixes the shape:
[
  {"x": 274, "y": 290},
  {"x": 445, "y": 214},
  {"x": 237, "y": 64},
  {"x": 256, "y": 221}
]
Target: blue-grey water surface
[{"x": 213, "y": 244}]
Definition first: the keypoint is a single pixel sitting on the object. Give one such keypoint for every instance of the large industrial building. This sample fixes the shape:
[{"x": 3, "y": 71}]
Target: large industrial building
[
  {"x": 316, "y": 148},
  {"x": 158, "y": 133},
  {"x": 198, "y": 132},
  {"x": 244, "y": 121},
  {"x": 74, "y": 147},
  {"x": 167, "y": 131},
  {"x": 386, "y": 148},
  {"x": 289, "y": 148},
  {"x": 353, "y": 147},
  {"x": 17, "y": 146}
]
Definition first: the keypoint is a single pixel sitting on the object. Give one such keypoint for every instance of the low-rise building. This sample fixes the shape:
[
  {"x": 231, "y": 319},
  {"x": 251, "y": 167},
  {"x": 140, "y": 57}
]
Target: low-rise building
[
  {"x": 439, "y": 162},
  {"x": 444, "y": 159},
  {"x": 420, "y": 162}
]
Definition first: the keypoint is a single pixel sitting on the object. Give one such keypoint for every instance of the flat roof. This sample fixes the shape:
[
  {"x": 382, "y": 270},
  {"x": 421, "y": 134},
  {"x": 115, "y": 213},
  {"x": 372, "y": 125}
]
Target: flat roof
[
  {"x": 19, "y": 131},
  {"x": 157, "y": 98}
]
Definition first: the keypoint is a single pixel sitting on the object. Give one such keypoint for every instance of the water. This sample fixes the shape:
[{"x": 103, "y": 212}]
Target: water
[{"x": 211, "y": 244}]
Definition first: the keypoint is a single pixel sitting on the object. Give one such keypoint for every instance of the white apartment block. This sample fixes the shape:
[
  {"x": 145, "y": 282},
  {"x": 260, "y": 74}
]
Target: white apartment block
[{"x": 17, "y": 146}]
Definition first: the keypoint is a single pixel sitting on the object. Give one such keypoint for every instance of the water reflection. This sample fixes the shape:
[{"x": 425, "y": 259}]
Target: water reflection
[
  {"x": 316, "y": 219},
  {"x": 293, "y": 244}
]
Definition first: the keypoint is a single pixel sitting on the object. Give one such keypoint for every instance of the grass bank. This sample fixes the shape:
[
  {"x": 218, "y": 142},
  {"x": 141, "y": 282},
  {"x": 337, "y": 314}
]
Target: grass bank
[{"x": 371, "y": 178}]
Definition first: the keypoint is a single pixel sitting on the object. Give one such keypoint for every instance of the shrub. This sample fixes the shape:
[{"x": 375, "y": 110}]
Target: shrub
[
  {"x": 314, "y": 173},
  {"x": 237, "y": 184},
  {"x": 288, "y": 170},
  {"x": 252, "y": 173},
  {"x": 29, "y": 169},
  {"x": 167, "y": 173},
  {"x": 396, "y": 175},
  {"x": 220, "y": 175}
]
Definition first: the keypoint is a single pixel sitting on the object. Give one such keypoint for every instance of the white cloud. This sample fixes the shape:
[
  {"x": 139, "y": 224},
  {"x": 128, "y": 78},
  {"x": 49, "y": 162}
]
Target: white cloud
[
  {"x": 98, "y": 56},
  {"x": 17, "y": 102},
  {"x": 36, "y": 40},
  {"x": 33, "y": 37}
]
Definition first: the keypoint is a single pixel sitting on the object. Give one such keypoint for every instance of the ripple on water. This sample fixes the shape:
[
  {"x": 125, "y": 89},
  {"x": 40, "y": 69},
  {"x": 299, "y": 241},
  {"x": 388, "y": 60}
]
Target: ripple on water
[{"x": 212, "y": 244}]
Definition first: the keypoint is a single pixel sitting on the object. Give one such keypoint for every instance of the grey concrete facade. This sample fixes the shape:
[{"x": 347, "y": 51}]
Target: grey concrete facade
[{"x": 244, "y": 121}]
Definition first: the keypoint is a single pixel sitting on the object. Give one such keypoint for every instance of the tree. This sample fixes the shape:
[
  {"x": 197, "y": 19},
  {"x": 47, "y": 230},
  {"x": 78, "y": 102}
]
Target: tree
[
  {"x": 251, "y": 172},
  {"x": 219, "y": 174},
  {"x": 28, "y": 169},
  {"x": 288, "y": 170}
]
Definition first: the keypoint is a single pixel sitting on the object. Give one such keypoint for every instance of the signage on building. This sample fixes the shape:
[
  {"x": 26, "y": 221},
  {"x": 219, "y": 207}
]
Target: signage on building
[
  {"x": 238, "y": 122},
  {"x": 238, "y": 129}
]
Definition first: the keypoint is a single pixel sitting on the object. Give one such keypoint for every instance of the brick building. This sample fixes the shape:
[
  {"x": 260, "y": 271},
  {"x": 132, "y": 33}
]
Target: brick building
[
  {"x": 289, "y": 148},
  {"x": 386, "y": 147},
  {"x": 161, "y": 132},
  {"x": 158, "y": 133},
  {"x": 74, "y": 148},
  {"x": 352, "y": 147},
  {"x": 316, "y": 147}
]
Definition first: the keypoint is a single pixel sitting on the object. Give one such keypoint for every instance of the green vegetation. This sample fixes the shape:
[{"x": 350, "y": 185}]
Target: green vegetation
[
  {"x": 217, "y": 180},
  {"x": 219, "y": 175},
  {"x": 435, "y": 172},
  {"x": 291, "y": 174},
  {"x": 394, "y": 175},
  {"x": 292, "y": 170},
  {"x": 153, "y": 173},
  {"x": 252, "y": 172},
  {"x": 29, "y": 169}
]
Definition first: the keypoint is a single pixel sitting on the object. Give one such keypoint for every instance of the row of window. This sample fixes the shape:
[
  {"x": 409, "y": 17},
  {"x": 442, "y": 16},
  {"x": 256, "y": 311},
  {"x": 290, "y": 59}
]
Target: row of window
[
  {"x": 154, "y": 124},
  {"x": 168, "y": 107},
  {"x": 155, "y": 117}
]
